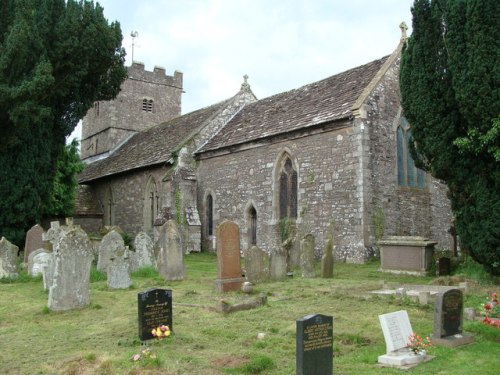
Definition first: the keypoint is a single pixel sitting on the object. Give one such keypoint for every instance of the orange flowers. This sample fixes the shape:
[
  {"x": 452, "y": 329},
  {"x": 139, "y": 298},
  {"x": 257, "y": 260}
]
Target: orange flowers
[{"x": 417, "y": 344}]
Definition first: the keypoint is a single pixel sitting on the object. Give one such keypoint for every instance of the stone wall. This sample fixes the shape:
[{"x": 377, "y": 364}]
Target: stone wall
[{"x": 111, "y": 122}]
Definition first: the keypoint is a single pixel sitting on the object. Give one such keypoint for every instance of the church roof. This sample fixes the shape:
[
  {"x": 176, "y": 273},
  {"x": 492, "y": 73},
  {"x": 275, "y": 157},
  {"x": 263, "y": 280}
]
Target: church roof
[
  {"x": 150, "y": 147},
  {"x": 324, "y": 101}
]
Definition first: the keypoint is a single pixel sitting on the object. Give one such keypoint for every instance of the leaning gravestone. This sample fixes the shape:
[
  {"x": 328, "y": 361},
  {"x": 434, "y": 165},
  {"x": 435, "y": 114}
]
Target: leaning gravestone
[
  {"x": 72, "y": 261},
  {"x": 448, "y": 319},
  {"x": 155, "y": 310},
  {"x": 228, "y": 258},
  {"x": 314, "y": 347},
  {"x": 327, "y": 260},
  {"x": 170, "y": 255},
  {"x": 307, "y": 256},
  {"x": 397, "y": 330},
  {"x": 256, "y": 264},
  {"x": 111, "y": 244},
  {"x": 37, "y": 261},
  {"x": 8, "y": 257},
  {"x": 34, "y": 241},
  {"x": 143, "y": 246}
]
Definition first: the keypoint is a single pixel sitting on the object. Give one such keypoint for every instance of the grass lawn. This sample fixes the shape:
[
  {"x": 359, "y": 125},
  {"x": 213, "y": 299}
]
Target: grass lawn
[{"x": 102, "y": 338}]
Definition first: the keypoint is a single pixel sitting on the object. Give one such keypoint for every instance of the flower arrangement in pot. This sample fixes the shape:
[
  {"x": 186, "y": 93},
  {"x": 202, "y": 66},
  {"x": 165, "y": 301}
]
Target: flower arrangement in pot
[{"x": 417, "y": 344}]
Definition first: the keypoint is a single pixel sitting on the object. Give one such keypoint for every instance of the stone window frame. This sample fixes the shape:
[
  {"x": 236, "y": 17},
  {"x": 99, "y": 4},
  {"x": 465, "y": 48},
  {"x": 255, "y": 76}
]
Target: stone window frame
[
  {"x": 151, "y": 204},
  {"x": 108, "y": 206},
  {"x": 408, "y": 175},
  {"x": 209, "y": 214},
  {"x": 204, "y": 208},
  {"x": 279, "y": 165},
  {"x": 251, "y": 219}
]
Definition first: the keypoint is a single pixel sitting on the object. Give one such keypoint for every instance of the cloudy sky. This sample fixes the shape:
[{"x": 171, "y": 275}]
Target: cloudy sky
[{"x": 279, "y": 44}]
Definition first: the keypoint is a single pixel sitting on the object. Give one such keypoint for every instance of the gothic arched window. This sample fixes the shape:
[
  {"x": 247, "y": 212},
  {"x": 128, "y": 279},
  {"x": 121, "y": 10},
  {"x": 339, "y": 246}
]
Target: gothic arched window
[
  {"x": 408, "y": 174},
  {"x": 287, "y": 189},
  {"x": 252, "y": 226},
  {"x": 210, "y": 215}
]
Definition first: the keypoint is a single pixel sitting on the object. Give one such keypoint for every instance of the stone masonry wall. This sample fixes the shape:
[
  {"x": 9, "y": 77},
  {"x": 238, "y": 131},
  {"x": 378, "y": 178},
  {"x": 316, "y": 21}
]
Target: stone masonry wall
[
  {"x": 326, "y": 190},
  {"x": 406, "y": 210}
]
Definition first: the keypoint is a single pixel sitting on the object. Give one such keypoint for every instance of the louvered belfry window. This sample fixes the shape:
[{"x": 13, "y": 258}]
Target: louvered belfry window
[{"x": 147, "y": 105}]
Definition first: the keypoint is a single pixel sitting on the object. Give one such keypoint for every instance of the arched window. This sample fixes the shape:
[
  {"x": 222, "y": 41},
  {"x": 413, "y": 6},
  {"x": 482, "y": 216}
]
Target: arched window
[
  {"x": 287, "y": 189},
  {"x": 408, "y": 174},
  {"x": 210, "y": 215},
  {"x": 252, "y": 226},
  {"x": 108, "y": 207},
  {"x": 151, "y": 203}
]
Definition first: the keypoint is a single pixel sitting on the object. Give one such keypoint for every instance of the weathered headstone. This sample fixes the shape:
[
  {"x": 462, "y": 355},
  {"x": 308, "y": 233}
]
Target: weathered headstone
[
  {"x": 278, "y": 262},
  {"x": 307, "y": 256},
  {"x": 293, "y": 251},
  {"x": 111, "y": 244},
  {"x": 228, "y": 258},
  {"x": 256, "y": 264},
  {"x": 37, "y": 261},
  {"x": 48, "y": 271},
  {"x": 34, "y": 241},
  {"x": 170, "y": 254},
  {"x": 327, "y": 260},
  {"x": 143, "y": 246},
  {"x": 314, "y": 347},
  {"x": 118, "y": 272},
  {"x": 73, "y": 258},
  {"x": 448, "y": 319},
  {"x": 397, "y": 330},
  {"x": 8, "y": 257},
  {"x": 443, "y": 266},
  {"x": 155, "y": 310}
]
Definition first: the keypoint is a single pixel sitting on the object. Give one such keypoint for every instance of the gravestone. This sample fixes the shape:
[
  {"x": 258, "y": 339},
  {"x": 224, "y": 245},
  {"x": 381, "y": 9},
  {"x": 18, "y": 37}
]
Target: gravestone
[
  {"x": 154, "y": 310},
  {"x": 307, "y": 256},
  {"x": 256, "y": 264},
  {"x": 111, "y": 244},
  {"x": 448, "y": 319},
  {"x": 228, "y": 258},
  {"x": 143, "y": 246},
  {"x": 314, "y": 347},
  {"x": 72, "y": 261},
  {"x": 327, "y": 260},
  {"x": 37, "y": 261},
  {"x": 170, "y": 254},
  {"x": 34, "y": 241},
  {"x": 397, "y": 330},
  {"x": 118, "y": 271},
  {"x": 278, "y": 262},
  {"x": 8, "y": 257},
  {"x": 443, "y": 267},
  {"x": 293, "y": 251},
  {"x": 48, "y": 271}
]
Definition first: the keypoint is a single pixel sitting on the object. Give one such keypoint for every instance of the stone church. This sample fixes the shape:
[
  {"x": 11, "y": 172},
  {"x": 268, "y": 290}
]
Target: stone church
[{"x": 330, "y": 158}]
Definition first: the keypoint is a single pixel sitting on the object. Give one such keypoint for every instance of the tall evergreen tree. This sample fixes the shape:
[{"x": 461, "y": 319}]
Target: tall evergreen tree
[
  {"x": 450, "y": 80},
  {"x": 57, "y": 57}
]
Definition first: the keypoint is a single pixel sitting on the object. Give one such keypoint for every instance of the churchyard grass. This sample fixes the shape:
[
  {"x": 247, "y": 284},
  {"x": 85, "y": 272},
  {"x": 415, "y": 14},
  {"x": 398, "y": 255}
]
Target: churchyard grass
[{"x": 102, "y": 338}]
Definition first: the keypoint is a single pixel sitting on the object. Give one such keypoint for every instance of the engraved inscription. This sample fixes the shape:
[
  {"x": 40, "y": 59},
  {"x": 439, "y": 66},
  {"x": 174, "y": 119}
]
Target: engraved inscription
[
  {"x": 317, "y": 337},
  {"x": 395, "y": 332}
]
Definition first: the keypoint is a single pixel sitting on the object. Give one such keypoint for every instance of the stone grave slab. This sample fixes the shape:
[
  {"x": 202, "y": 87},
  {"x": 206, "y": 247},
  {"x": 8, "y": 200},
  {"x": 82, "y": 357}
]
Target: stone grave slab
[
  {"x": 37, "y": 260},
  {"x": 8, "y": 257},
  {"x": 256, "y": 264},
  {"x": 170, "y": 253},
  {"x": 34, "y": 241},
  {"x": 327, "y": 260},
  {"x": 307, "y": 256},
  {"x": 154, "y": 309},
  {"x": 143, "y": 246},
  {"x": 448, "y": 320},
  {"x": 228, "y": 258},
  {"x": 397, "y": 330},
  {"x": 314, "y": 346}
]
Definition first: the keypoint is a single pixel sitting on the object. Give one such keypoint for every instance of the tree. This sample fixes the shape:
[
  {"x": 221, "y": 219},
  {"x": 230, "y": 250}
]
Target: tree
[
  {"x": 449, "y": 80},
  {"x": 62, "y": 199},
  {"x": 57, "y": 57}
]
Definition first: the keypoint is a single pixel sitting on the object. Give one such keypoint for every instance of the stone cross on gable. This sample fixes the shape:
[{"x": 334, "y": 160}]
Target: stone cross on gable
[
  {"x": 404, "y": 28},
  {"x": 245, "y": 86}
]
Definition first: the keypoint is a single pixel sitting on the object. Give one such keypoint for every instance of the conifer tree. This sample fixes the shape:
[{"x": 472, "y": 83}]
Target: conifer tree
[
  {"x": 57, "y": 57},
  {"x": 450, "y": 80}
]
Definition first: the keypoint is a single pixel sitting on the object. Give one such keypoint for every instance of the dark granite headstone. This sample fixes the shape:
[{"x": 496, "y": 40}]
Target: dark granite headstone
[
  {"x": 443, "y": 267},
  {"x": 155, "y": 309},
  {"x": 314, "y": 350},
  {"x": 448, "y": 318}
]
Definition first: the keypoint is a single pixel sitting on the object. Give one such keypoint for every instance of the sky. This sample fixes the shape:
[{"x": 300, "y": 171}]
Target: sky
[{"x": 280, "y": 44}]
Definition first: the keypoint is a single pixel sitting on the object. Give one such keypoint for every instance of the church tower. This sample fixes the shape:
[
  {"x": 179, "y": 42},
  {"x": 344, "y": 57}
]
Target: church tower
[{"x": 146, "y": 99}]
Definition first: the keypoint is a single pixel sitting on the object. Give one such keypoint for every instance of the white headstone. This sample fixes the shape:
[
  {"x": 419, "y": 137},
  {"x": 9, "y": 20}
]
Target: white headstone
[
  {"x": 37, "y": 260},
  {"x": 143, "y": 246}
]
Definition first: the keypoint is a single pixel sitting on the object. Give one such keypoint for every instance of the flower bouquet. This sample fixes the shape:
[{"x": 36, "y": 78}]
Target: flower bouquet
[
  {"x": 491, "y": 311},
  {"x": 417, "y": 344},
  {"x": 161, "y": 332}
]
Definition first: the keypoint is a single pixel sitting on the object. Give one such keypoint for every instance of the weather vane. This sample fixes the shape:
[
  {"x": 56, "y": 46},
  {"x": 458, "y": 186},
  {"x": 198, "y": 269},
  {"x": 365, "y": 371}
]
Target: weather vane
[{"x": 133, "y": 34}]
